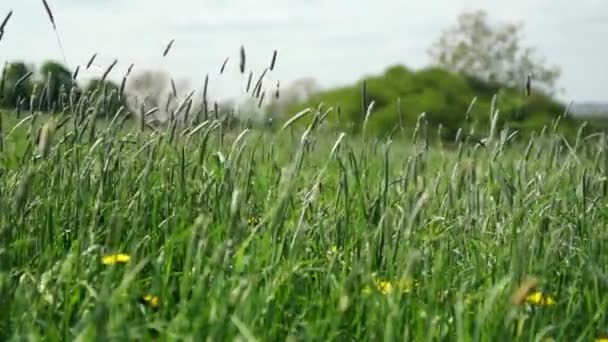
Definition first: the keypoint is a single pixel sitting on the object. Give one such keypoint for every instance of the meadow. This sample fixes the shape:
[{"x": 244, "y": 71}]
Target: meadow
[{"x": 115, "y": 231}]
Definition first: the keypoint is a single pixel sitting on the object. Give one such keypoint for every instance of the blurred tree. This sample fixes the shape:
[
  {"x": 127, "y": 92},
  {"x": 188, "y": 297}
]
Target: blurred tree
[
  {"x": 12, "y": 92},
  {"x": 400, "y": 96},
  {"x": 150, "y": 89},
  {"x": 493, "y": 54},
  {"x": 106, "y": 94},
  {"x": 57, "y": 83}
]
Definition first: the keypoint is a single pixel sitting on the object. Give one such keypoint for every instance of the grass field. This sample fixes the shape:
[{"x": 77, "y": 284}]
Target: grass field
[{"x": 201, "y": 234}]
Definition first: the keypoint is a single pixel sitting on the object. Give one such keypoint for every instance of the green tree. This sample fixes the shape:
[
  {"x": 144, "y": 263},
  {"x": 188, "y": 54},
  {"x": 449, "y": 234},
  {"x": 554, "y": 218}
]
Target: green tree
[
  {"x": 401, "y": 95},
  {"x": 16, "y": 84},
  {"x": 492, "y": 53},
  {"x": 57, "y": 83}
]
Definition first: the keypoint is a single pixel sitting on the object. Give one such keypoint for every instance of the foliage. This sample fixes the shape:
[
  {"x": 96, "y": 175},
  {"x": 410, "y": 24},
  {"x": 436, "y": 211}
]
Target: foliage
[
  {"x": 493, "y": 53},
  {"x": 401, "y": 95},
  {"x": 10, "y": 91},
  {"x": 56, "y": 84}
]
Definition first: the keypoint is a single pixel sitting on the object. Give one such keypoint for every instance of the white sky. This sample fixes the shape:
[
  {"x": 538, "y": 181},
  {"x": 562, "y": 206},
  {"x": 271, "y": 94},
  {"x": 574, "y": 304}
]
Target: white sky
[{"x": 334, "y": 41}]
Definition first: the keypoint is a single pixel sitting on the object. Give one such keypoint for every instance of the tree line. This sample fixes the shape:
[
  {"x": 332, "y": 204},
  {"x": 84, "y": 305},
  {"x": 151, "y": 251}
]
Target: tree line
[{"x": 51, "y": 87}]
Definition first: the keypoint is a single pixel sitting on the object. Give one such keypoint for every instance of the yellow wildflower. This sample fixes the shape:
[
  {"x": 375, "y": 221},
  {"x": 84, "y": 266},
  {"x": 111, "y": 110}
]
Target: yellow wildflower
[
  {"x": 152, "y": 301},
  {"x": 527, "y": 286},
  {"x": 386, "y": 287},
  {"x": 540, "y": 299},
  {"x": 601, "y": 339},
  {"x": 527, "y": 294},
  {"x": 114, "y": 259}
]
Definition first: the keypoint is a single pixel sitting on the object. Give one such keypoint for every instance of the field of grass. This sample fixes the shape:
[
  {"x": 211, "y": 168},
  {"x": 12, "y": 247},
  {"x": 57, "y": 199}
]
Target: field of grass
[{"x": 202, "y": 234}]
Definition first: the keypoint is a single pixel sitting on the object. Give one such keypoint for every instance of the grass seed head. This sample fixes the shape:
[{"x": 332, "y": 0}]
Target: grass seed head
[{"x": 46, "y": 136}]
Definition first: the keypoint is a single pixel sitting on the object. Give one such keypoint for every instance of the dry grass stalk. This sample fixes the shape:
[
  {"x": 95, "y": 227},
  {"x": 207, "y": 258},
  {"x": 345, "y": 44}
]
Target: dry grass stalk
[
  {"x": 23, "y": 190},
  {"x": 23, "y": 79},
  {"x": 249, "y": 81},
  {"x": 3, "y": 80},
  {"x": 224, "y": 65},
  {"x": 91, "y": 60},
  {"x": 76, "y": 72},
  {"x": 52, "y": 19},
  {"x": 295, "y": 118},
  {"x": 168, "y": 48},
  {"x": 174, "y": 88},
  {"x": 274, "y": 60},
  {"x": 258, "y": 86},
  {"x": 124, "y": 80},
  {"x": 50, "y": 14},
  {"x": 243, "y": 59},
  {"x": 205, "y": 87},
  {"x": 108, "y": 70},
  {"x": 46, "y": 136},
  {"x": 4, "y": 22}
]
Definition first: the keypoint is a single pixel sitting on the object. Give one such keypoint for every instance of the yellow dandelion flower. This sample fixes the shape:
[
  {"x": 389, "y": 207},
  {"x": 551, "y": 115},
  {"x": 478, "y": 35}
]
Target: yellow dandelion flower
[
  {"x": 601, "y": 339},
  {"x": 114, "y": 259},
  {"x": 540, "y": 299},
  {"x": 384, "y": 286},
  {"x": 526, "y": 287},
  {"x": 152, "y": 301}
]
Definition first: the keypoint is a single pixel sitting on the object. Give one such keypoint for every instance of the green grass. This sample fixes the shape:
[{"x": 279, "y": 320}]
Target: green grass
[{"x": 274, "y": 237}]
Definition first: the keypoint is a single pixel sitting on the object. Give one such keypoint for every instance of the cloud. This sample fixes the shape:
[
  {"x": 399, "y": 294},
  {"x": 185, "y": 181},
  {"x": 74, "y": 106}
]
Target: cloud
[{"x": 335, "y": 41}]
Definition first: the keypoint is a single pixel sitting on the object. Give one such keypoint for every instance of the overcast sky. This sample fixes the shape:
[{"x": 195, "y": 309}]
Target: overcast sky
[{"x": 334, "y": 41}]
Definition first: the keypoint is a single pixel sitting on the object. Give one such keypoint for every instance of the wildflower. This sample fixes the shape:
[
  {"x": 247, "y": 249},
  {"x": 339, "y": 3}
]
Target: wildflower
[
  {"x": 520, "y": 295},
  {"x": 540, "y": 299},
  {"x": 386, "y": 287},
  {"x": 601, "y": 339},
  {"x": 152, "y": 301},
  {"x": 114, "y": 259}
]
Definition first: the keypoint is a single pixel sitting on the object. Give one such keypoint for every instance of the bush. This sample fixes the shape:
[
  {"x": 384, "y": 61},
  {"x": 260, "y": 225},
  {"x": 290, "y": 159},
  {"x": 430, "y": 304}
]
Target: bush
[{"x": 443, "y": 96}]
